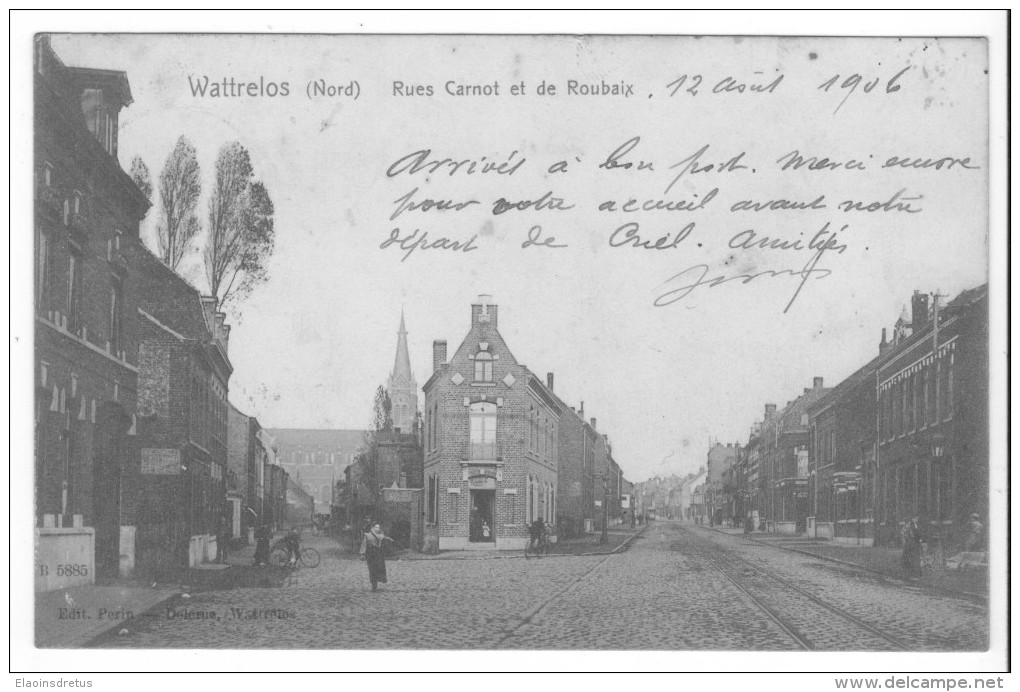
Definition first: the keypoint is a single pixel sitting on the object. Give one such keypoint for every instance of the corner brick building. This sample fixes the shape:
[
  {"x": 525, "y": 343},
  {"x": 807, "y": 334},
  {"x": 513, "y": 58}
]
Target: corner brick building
[
  {"x": 491, "y": 438},
  {"x": 183, "y": 375},
  {"x": 87, "y": 212}
]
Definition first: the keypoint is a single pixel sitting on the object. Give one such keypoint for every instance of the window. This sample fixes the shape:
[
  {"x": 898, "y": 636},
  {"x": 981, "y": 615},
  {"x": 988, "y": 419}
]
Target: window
[
  {"x": 483, "y": 366},
  {"x": 433, "y": 508},
  {"x": 42, "y": 270},
  {"x": 929, "y": 396},
  {"x": 908, "y": 406},
  {"x": 453, "y": 508},
  {"x": 950, "y": 384},
  {"x": 116, "y": 321},
  {"x": 73, "y": 291},
  {"x": 47, "y": 174},
  {"x": 98, "y": 119},
  {"x": 67, "y": 212},
  {"x": 483, "y": 430},
  {"x": 77, "y": 202}
]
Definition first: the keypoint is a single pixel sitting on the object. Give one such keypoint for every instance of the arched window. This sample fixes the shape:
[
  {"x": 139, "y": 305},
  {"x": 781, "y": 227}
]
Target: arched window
[{"x": 483, "y": 366}]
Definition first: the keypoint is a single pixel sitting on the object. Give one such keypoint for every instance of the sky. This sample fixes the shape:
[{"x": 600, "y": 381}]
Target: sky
[{"x": 311, "y": 345}]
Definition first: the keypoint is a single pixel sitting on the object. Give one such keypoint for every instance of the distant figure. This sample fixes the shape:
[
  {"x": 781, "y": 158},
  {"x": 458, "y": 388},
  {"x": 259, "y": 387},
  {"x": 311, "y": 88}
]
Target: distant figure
[
  {"x": 292, "y": 542},
  {"x": 975, "y": 532},
  {"x": 748, "y": 524},
  {"x": 373, "y": 548},
  {"x": 262, "y": 535},
  {"x": 486, "y": 531},
  {"x": 912, "y": 539}
]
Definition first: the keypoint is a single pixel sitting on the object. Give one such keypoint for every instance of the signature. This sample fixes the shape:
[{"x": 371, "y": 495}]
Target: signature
[{"x": 697, "y": 276}]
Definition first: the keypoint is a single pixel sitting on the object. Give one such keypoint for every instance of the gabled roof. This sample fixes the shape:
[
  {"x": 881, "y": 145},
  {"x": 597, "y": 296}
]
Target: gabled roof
[{"x": 169, "y": 298}]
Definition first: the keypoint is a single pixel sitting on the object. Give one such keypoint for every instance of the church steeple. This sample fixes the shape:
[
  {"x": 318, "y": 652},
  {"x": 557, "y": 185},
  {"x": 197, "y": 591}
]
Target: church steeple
[{"x": 403, "y": 389}]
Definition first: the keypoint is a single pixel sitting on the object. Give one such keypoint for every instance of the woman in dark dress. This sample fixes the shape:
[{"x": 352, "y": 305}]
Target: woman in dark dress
[{"x": 373, "y": 548}]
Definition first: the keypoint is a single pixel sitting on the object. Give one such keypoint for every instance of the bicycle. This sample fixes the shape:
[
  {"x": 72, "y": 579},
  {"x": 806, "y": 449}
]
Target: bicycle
[
  {"x": 539, "y": 549},
  {"x": 307, "y": 557}
]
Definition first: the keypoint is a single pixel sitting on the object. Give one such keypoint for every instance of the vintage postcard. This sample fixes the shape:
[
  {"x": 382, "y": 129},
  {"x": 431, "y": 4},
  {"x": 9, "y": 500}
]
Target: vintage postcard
[{"x": 562, "y": 342}]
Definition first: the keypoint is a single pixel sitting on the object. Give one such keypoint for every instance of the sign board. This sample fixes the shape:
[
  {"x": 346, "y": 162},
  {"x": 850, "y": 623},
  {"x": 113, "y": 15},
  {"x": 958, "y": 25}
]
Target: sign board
[
  {"x": 482, "y": 483},
  {"x": 625, "y": 501},
  {"x": 161, "y": 462}
]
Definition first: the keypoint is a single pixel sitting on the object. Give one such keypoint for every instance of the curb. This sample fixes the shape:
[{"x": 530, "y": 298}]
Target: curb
[{"x": 965, "y": 595}]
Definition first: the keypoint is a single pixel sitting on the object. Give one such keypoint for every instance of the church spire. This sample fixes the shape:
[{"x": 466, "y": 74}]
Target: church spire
[
  {"x": 403, "y": 389},
  {"x": 402, "y": 363}
]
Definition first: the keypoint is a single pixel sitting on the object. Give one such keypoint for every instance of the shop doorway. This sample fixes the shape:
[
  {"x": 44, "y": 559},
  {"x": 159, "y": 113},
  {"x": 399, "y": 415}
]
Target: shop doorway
[{"x": 483, "y": 515}]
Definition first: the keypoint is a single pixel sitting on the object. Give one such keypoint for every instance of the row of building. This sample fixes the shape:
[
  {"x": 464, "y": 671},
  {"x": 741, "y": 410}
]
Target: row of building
[
  {"x": 502, "y": 449},
  {"x": 905, "y": 436},
  {"x": 495, "y": 450},
  {"x": 142, "y": 466}
]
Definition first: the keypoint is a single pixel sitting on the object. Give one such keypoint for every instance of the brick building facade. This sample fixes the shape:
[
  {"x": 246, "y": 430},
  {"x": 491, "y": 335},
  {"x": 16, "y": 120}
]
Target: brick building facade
[
  {"x": 932, "y": 382},
  {"x": 183, "y": 377},
  {"x": 245, "y": 481},
  {"x": 491, "y": 438},
  {"x": 719, "y": 489},
  {"x": 87, "y": 212},
  {"x": 785, "y": 455},
  {"x": 575, "y": 511},
  {"x": 842, "y": 460}
]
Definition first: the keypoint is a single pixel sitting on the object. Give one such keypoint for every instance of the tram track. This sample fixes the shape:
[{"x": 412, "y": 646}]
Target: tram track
[{"x": 813, "y": 623}]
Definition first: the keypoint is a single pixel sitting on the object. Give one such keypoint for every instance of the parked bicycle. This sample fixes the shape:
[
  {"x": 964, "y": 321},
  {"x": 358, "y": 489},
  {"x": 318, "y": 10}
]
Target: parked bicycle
[{"x": 538, "y": 542}]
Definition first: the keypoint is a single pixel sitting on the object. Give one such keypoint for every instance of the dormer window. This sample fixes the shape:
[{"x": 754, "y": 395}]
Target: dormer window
[
  {"x": 98, "y": 118},
  {"x": 483, "y": 366}
]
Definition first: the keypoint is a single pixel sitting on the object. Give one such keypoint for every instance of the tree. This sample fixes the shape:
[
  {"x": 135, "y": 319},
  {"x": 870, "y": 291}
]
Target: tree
[
  {"x": 140, "y": 176},
  {"x": 382, "y": 417},
  {"x": 179, "y": 187},
  {"x": 241, "y": 227}
]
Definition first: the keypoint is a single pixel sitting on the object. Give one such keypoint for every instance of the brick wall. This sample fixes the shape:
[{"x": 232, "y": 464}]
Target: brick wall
[{"x": 447, "y": 454}]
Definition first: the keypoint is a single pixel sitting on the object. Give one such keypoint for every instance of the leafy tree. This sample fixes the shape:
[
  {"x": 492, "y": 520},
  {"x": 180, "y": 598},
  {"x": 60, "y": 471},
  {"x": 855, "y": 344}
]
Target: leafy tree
[
  {"x": 179, "y": 188},
  {"x": 241, "y": 227},
  {"x": 140, "y": 176},
  {"x": 382, "y": 417}
]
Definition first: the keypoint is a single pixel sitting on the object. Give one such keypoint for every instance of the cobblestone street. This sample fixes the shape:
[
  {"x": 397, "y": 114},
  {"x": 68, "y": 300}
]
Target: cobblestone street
[{"x": 677, "y": 587}]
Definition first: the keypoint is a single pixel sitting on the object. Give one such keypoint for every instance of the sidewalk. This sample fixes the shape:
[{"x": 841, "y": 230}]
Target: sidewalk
[
  {"x": 618, "y": 539},
  {"x": 971, "y": 583},
  {"x": 68, "y": 618}
]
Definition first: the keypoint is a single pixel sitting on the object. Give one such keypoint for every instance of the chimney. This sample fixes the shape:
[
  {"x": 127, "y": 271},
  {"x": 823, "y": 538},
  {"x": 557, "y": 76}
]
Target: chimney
[
  {"x": 225, "y": 338},
  {"x": 818, "y": 382},
  {"x": 884, "y": 343},
  {"x": 209, "y": 311},
  {"x": 438, "y": 354},
  {"x": 549, "y": 380},
  {"x": 919, "y": 310},
  {"x": 593, "y": 424},
  {"x": 581, "y": 410},
  {"x": 483, "y": 311},
  {"x": 770, "y": 410}
]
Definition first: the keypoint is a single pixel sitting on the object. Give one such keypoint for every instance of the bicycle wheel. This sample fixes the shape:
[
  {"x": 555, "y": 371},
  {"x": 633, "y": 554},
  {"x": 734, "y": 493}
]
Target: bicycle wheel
[
  {"x": 310, "y": 557},
  {"x": 279, "y": 557}
]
